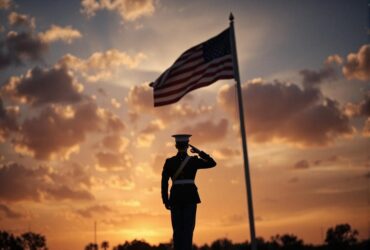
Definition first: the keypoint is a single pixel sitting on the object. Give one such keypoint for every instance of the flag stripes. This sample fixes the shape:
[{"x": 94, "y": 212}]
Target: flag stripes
[{"x": 197, "y": 67}]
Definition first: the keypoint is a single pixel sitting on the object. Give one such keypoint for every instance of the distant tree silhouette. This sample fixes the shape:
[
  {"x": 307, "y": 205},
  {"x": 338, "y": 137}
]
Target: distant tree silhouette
[
  {"x": 341, "y": 237},
  {"x": 134, "y": 245},
  {"x": 91, "y": 246},
  {"x": 33, "y": 241},
  {"x": 287, "y": 242},
  {"x": 105, "y": 245},
  {"x": 222, "y": 244},
  {"x": 9, "y": 242}
]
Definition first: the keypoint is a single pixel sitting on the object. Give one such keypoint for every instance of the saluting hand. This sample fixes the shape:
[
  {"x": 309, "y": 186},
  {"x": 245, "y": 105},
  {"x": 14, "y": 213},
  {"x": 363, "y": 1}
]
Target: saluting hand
[{"x": 194, "y": 149}]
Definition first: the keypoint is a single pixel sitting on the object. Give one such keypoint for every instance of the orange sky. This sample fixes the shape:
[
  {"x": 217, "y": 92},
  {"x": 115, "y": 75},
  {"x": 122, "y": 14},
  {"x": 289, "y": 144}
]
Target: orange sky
[{"x": 82, "y": 142}]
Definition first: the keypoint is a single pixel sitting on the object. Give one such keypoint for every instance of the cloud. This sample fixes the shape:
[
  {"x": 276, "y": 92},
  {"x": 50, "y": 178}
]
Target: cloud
[
  {"x": 312, "y": 78},
  {"x": 21, "y": 183},
  {"x": 116, "y": 104},
  {"x": 129, "y": 10},
  {"x": 281, "y": 112},
  {"x": 9, "y": 213},
  {"x": 140, "y": 98},
  {"x": 364, "y": 106},
  {"x": 54, "y": 33},
  {"x": 207, "y": 131},
  {"x": 8, "y": 120},
  {"x": 44, "y": 86},
  {"x": 89, "y": 212},
  {"x": 16, "y": 19},
  {"x": 357, "y": 65},
  {"x": 17, "y": 48},
  {"x": 140, "y": 101},
  {"x": 361, "y": 109},
  {"x": 115, "y": 143},
  {"x": 225, "y": 153},
  {"x": 302, "y": 164},
  {"x": 366, "y": 129},
  {"x": 113, "y": 161},
  {"x": 66, "y": 193},
  {"x": 59, "y": 130},
  {"x": 5, "y": 4},
  {"x": 101, "y": 65},
  {"x": 336, "y": 59}
]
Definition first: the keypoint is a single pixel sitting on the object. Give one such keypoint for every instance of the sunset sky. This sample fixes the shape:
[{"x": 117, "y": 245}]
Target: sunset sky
[{"x": 80, "y": 140}]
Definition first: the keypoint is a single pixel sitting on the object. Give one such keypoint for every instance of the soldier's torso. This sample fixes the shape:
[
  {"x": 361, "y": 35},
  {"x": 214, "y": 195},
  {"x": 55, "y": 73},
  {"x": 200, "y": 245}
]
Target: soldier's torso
[{"x": 183, "y": 193}]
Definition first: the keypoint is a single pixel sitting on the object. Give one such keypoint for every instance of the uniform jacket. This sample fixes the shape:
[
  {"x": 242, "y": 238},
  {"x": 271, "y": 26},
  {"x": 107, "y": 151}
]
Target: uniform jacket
[{"x": 183, "y": 193}]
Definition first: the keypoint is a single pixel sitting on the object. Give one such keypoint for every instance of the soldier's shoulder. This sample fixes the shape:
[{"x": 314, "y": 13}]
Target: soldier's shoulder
[{"x": 171, "y": 158}]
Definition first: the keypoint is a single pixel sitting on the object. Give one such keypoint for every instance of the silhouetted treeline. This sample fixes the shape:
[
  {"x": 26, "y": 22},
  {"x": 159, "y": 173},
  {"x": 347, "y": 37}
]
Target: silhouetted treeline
[
  {"x": 340, "y": 237},
  {"x": 26, "y": 241}
]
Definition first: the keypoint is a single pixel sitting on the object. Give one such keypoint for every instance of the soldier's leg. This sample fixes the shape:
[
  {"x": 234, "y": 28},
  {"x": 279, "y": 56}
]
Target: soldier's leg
[
  {"x": 190, "y": 218},
  {"x": 177, "y": 219}
]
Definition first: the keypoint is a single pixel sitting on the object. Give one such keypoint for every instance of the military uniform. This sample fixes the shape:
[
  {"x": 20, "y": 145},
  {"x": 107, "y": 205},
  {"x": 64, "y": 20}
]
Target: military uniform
[{"x": 184, "y": 195}]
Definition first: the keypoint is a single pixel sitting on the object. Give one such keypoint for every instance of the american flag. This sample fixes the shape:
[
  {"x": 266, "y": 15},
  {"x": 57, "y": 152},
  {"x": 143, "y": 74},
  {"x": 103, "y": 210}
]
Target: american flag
[{"x": 197, "y": 67}]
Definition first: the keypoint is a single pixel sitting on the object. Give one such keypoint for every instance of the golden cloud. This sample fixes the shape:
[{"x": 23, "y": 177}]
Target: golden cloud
[
  {"x": 129, "y": 10},
  {"x": 54, "y": 33},
  {"x": 101, "y": 65},
  {"x": 357, "y": 65}
]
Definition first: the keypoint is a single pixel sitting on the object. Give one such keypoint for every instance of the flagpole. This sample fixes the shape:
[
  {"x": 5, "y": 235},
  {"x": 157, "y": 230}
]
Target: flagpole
[{"x": 242, "y": 131}]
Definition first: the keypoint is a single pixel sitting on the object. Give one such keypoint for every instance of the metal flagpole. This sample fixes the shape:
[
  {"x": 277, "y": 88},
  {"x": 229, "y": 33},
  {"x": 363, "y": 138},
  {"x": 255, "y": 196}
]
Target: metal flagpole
[{"x": 242, "y": 131}]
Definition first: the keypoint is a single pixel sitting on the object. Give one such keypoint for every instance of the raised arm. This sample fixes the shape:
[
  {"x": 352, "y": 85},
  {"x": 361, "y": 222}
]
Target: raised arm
[{"x": 205, "y": 161}]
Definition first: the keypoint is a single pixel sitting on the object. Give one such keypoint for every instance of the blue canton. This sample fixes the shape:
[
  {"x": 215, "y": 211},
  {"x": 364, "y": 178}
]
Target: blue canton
[{"x": 217, "y": 46}]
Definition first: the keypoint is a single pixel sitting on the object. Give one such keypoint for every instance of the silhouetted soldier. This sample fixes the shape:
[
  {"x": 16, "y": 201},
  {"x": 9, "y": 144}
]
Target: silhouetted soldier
[{"x": 184, "y": 196}]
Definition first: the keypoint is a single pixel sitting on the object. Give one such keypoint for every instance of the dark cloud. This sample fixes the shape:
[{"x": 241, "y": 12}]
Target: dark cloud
[
  {"x": 312, "y": 78},
  {"x": 357, "y": 65},
  {"x": 89, "y": 212},
  {"x": 5, "y": 4},
  {"x": 9, "y": 213},
  {"x": 207, "y": 131},
  {"x": 44, "y": 86},
  {"x": 282, "y": 112},
  {"x": 73, "y": 174},
  {"x": 8, "y": 120},
  {"x": 58, "y": 131},
  {"x": 302, "y": 164},
  {"x": 364, "y": 106},
  {"x": 17, "y": 48},
  {"x": 21, "y": 183},
  {"x": 66, "y": 193}
]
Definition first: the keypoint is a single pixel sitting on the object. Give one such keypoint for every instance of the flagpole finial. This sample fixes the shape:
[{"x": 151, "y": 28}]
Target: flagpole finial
[{"x": 231, "y": 17}]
